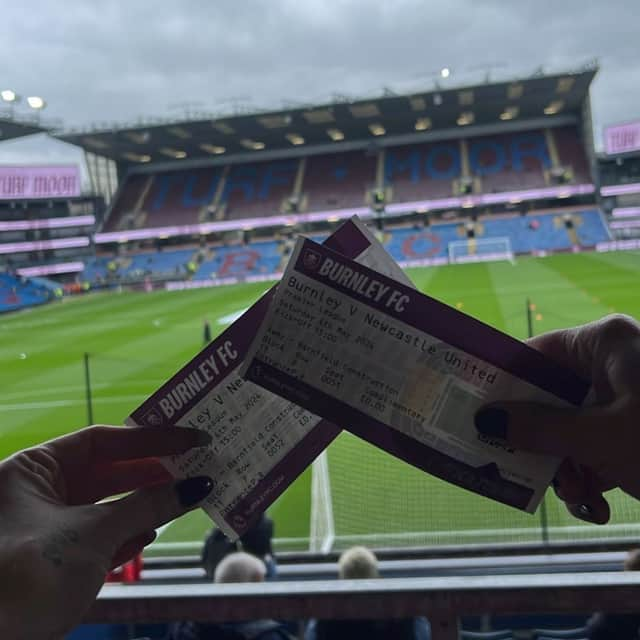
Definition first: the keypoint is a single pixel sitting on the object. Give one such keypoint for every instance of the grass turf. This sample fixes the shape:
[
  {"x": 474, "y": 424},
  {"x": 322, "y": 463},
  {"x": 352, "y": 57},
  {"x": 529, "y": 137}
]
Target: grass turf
[{"x": 137, "y": 340}]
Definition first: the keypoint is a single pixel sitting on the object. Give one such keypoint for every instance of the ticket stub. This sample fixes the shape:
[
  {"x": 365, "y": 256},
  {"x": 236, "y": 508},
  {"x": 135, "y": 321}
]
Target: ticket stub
[
  {"x": 261, "y": 442},
  {"x": 404, "y": 372}
]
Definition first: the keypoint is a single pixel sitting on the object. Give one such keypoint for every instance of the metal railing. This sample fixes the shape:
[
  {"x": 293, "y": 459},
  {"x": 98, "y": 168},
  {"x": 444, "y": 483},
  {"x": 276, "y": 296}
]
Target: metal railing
[{"x": 442, "y": 600}]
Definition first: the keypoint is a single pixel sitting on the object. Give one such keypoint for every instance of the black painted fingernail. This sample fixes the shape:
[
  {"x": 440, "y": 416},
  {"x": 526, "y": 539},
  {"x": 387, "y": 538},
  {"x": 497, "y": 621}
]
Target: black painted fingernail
[
  {"x": 492, "y": 422},
  {"x": 555, "y": 483},
  {"x": 193, "y": 490},
  {"x": 582, "y": 511}
]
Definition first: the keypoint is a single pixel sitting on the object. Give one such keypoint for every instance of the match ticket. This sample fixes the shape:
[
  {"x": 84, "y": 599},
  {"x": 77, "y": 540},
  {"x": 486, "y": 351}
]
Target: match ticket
[
  {"x": 261, "y": 442},
  {"x": 404, "y": 372}
]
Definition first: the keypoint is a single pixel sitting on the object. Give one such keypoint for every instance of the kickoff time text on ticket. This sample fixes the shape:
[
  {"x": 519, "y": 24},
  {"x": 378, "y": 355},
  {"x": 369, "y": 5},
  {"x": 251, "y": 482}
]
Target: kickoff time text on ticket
[{"x": 404, "y": 372}]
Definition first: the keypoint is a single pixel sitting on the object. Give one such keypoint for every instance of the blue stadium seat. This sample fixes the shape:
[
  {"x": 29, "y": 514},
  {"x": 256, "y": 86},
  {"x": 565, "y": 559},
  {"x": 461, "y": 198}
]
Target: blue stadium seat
[{"x": 19, "y": 293}]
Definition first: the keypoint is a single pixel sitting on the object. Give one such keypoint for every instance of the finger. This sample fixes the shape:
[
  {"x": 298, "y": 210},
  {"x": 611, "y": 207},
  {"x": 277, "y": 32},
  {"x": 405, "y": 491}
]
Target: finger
[
  {"x": 568, "y": 483},
  {"x": 596, "y": 510},
  {"x": 132, "y": 548},
  {"x": 581, "y": 490},
  {"x": 566, "y": 433},
  {"x": 113, "y": 479},
  {"x": 150, "y": 508},
  {"x": 100, "y": 444}
]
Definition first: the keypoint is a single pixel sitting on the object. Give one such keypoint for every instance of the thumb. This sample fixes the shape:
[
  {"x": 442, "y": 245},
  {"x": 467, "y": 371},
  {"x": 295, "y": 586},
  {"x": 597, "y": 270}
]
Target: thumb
[
  {"x": 149, "y": 508},
  {"x": 574, "y": 433}
]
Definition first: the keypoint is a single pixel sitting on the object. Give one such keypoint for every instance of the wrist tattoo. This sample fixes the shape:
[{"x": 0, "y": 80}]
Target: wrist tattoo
[{"x": 55, "y": 545}]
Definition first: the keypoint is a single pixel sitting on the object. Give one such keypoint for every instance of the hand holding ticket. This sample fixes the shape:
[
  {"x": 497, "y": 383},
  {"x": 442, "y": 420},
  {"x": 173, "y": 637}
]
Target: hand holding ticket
[
  {"x": 404, "y": 372},
  {"x": 260, "y": 442}
]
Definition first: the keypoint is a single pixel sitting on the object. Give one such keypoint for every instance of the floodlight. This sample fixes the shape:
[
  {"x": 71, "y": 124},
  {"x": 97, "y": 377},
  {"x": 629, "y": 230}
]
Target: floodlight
[{"x": 36, "y": 102}]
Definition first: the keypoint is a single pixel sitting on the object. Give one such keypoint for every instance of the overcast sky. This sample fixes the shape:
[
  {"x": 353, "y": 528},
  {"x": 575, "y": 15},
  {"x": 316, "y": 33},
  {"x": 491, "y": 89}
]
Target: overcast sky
[{"x": 114, "y": 60}]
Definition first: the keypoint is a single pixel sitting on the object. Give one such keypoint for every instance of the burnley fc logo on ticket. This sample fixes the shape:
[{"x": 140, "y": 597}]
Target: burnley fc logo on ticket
[{"x": 311, "y": 260}]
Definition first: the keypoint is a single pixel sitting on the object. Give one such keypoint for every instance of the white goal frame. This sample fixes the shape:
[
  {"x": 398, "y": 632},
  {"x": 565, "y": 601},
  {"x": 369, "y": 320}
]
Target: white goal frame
[
  {"x": 502, "y": 251},
  {"x": 322, "y": 531}
]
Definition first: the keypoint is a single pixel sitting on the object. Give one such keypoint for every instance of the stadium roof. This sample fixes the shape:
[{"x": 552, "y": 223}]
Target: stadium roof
[
  {"x": 376, "y": 119},
  {"x": 10, "y": 128}
]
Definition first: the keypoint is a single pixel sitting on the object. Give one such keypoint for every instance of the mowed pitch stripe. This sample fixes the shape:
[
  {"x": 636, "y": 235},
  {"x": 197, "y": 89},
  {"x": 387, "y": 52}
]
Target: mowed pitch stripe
[{"x": 51, "y": 404}]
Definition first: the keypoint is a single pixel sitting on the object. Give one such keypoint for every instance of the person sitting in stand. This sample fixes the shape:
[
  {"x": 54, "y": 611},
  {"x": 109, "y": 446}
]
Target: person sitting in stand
[
  {"x": 234, "y": 568},
  {"x": 359, "y": 563}
]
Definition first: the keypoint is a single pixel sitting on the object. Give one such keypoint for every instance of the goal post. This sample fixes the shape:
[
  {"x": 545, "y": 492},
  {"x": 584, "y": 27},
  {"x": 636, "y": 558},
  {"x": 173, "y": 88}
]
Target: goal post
[
  {"x": 322, "y": 527},
  {"x": 480, "y": 250}
]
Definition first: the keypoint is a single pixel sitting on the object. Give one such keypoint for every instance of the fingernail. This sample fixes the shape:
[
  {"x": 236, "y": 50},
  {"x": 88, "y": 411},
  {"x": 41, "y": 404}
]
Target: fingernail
[
  {"x": 583, "y": 511},
  {"x": 203, "y": 439},
  {"x": 492, "y": 422},
  {"x": 555, "y": 483},
  {"x": 193, "y": 490}
]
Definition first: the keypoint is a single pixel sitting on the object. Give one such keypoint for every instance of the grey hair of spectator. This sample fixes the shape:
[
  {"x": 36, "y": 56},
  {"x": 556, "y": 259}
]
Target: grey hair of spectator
[
  {"x": 240, "y": 567},
  {"x": 358, "y": 563}
]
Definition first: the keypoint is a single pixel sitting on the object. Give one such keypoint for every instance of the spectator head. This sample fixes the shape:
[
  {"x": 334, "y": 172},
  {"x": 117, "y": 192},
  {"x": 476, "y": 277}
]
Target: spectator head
[
  {"x": 358, "y": 563},
  {"x": 632, "y": 561},
  {"x": 240, "y": 567}
]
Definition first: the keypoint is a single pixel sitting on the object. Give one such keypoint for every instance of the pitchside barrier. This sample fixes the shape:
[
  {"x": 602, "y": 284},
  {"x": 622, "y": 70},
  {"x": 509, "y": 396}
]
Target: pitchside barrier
[{"x": 442, "y": 600}]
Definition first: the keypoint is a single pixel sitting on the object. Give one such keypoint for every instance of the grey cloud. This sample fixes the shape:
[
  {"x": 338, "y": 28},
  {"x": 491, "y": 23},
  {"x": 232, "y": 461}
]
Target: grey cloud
[{"x": 111, "y": 60}]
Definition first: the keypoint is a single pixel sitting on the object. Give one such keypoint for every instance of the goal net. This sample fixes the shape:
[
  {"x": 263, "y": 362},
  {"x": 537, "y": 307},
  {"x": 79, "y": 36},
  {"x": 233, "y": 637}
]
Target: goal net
[
  {"x": 480, "y": 250},
  {"x": 362, "y": 495}
]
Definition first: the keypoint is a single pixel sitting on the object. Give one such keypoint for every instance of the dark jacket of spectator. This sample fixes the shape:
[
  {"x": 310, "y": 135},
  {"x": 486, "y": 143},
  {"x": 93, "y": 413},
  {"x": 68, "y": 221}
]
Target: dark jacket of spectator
[
  {"x": 256, "y": 630},
  {"x": 607, "y": 626},
  {"x": 409, "y": 629}
]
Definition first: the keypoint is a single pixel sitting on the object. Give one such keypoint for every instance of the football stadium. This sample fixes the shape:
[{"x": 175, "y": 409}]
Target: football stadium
[{"x": 493, "y": 199}]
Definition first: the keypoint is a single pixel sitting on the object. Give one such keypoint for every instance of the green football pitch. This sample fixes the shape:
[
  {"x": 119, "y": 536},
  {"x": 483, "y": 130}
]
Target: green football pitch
[{"x": 137, "y": 340}]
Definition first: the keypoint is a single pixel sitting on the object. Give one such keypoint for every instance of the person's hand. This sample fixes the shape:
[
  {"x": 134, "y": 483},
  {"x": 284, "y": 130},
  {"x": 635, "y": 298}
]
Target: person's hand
[
  {"x": 599, "y": 443},
  {"x": 57, "y": 544}
]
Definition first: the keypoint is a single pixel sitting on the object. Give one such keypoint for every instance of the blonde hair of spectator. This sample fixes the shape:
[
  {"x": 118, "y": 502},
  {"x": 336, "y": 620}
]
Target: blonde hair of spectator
[
  {"x": 358, "y": 563},
  {"x": 240, "y": 567},
  {"x": 632, "y": 561}
]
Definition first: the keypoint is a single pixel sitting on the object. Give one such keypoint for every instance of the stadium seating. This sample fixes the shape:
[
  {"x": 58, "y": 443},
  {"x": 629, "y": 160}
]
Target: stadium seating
[
  {"x": 129, "y": 194},
  {"x": 19, "y": 293},
  {"x": 241, "y": 261},
  {"x": 258, "y": 190},
  {"x": 159, "y": 264},
  {"x": 178, "y": 197},
  {"x": 337, "y": 181},
  {"x": 553, "y": 231},
  {"x": 542, "y": 232},
  {"x": 510, "y": 162},
  {"x": 571, "y": 153},
  {"x": 422, "y": 172}
]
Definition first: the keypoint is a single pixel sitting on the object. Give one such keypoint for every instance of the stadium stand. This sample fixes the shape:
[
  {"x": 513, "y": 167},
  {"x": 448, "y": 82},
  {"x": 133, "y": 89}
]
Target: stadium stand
[
  {"x": 510, "y": 162},
  {"x": 258, "y": 190},
  {"x": 240, "y": 261},
  {"x": 159, "y": 264},
  {"x": 422, "y": 171},
  {"x": 550, "y": 231},
  {"x": 571, "y": 154},
  {"x": 19, "y": 293},
  {"x": 338, "y": 181}
]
